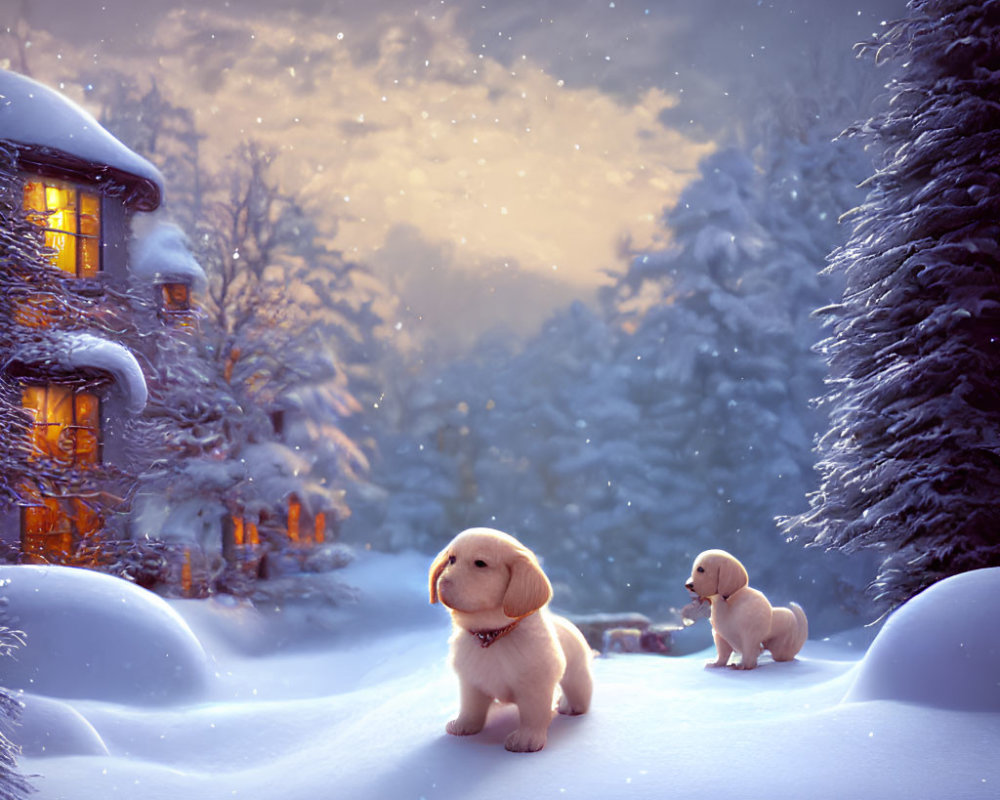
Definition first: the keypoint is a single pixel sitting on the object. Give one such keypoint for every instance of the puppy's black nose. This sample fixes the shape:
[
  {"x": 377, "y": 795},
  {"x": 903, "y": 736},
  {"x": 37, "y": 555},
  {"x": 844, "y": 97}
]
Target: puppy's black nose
[{"x": 689, "y": 586}]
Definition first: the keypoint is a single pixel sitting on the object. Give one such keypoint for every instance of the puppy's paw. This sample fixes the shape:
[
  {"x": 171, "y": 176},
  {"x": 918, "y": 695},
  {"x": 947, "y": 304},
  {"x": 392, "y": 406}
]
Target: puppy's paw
[
  {"x": 715, "y": 664},
  {"x": 460, "y": 727},
  {"x": 743, "y": 665},
  {"x": 525, "y": 741},
  {"x": 567, "y": 708}
]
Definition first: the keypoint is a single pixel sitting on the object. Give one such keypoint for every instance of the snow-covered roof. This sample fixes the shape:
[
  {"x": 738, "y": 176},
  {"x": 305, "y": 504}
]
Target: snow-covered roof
[
  {"x": 163, "y": 255},
  {"x": 277, "y": 472},
  {"x": 79, "y": 350},
  {"x": 53, "y": 128}
]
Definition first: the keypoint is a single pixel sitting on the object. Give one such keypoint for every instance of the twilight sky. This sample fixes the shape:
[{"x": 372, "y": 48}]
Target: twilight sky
[{"x": 520, "y": 136}]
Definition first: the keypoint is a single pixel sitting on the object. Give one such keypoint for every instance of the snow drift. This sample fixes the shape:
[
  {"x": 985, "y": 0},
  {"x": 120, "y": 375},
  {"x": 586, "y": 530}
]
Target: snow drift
[
  {"x": 359, "y": 710},
  {"x": 90, "y": 635},
  {"x": 940, "y": 649}
]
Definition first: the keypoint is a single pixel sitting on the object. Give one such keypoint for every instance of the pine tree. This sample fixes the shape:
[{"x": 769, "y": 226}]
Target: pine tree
[
  {"x": 13, "y": 785},
  {"x": 720, "y": 365},
  {"x": 911, "y": 461}
]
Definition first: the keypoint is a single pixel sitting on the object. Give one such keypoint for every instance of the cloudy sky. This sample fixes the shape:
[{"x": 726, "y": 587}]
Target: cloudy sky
[{"x": 526, "y": 136}]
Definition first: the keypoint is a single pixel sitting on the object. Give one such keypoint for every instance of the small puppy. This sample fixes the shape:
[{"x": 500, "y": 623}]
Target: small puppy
[
  {"x": 742, "y": 618},
  {"x": 505, "y": 644}
]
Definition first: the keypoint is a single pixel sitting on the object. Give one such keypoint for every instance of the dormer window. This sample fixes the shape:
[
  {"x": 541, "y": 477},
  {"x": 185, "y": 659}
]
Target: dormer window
[
  {"x": 175, "y": 297},
  {"x": 71, "y": 219}
]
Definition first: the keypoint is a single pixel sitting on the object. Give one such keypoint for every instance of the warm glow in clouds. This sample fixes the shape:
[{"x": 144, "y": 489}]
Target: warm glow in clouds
[{"x": 398, "y": 119}]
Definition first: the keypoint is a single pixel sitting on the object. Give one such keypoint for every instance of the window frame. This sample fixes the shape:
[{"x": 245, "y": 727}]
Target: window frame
[
  {"x": 87, "y": 212},
  {"x": 53, "y": 524}
]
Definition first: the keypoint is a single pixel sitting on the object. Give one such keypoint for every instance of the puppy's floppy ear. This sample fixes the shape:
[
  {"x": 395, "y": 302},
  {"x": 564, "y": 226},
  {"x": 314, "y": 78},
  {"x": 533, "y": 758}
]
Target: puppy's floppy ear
[
  {"x": 436, "y": 569},
  {"x": 732, "y": 576},
  {"x": 528, "y": 589}
]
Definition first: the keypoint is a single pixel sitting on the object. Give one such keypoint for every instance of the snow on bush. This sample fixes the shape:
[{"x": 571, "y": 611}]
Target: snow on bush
[
  {"x": 941, "y": 648},
  {"x": 89, "y": 635},
  {"x": 53, "y": 728}
]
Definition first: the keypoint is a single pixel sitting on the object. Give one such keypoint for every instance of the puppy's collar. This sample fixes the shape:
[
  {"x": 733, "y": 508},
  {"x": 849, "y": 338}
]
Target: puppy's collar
[{"x": 486, "y": 638}]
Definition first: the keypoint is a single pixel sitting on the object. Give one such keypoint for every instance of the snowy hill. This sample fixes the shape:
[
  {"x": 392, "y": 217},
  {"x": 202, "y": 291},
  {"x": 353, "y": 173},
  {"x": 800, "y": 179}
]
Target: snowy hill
[{"x": 356, "y": 708}]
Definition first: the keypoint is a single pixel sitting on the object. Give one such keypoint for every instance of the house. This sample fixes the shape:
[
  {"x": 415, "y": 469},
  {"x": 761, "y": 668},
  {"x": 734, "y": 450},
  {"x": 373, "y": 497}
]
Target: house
[
  {"x": 79, "y": 189},
  {"x": 85, "y": 376}
]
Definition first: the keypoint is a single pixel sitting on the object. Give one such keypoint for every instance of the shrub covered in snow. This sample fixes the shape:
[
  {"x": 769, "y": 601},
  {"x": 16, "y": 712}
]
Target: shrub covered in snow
[
  {"x": 13, "y": 786},
  {"x": 96, "y": 636},
  {"x": 940, "y": 648}
]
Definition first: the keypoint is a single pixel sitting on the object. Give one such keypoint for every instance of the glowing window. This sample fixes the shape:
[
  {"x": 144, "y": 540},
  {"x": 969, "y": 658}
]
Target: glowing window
[
  {"x": 294, "y": 513},
  {"x": 65, "y": 428},
  {"x": 66, "y": 423},
  {"x": 245, "y": 533},
  {"x": 71, "y": 219},
  {"x": 175, "y": 297},
  {"x": 320, "y": 527}
]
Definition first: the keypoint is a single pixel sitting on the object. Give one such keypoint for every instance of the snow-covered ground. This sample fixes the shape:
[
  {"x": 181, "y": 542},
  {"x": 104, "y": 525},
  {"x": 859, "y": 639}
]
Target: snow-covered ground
[{"x": 204, "y": 704}]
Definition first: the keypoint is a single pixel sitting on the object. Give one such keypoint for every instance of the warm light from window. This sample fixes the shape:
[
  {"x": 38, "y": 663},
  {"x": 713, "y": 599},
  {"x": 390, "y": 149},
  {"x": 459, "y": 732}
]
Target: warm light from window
[
  {"x": 245, "y": 533},
  {"x": 294, "y": 512},
  {"x": 65, "y": 425},
  {"x": 176, "y": 297},
  {"x": 71, "y": 219},
  {"x": 65, "y": 428},
  {"x": 186, "y": 582}
]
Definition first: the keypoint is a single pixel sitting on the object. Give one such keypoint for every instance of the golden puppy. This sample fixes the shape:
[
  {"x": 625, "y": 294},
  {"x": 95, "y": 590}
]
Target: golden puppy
[
  {"x": 505, "y": 644},
  {"x": 742, "y": 618}
]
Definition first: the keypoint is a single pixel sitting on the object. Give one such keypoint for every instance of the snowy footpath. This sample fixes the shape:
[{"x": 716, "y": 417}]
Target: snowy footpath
[{"x": 129, "y": 696}]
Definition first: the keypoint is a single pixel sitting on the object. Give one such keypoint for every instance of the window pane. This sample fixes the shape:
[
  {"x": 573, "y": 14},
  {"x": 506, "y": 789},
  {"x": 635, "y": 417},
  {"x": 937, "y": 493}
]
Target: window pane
[
  {"x": 88, "y": 410},
  {"x": 46, "y": 532},
  {"x": 176, "y": 297},
  {"x": 71, "y": 218},
  {"x": 60, "y": 201},
  {"x": 90, "y": 214},
  {"x": 90, "y": 258},
  {"x": 66, "y": 425},
  {"x": 52, "y": 409},
  {"x": 294, "y": 510},
  {"x": 34, "y": 202},
  {"x": 65, "y": 247},
  {"x": 90, "y": 230}
]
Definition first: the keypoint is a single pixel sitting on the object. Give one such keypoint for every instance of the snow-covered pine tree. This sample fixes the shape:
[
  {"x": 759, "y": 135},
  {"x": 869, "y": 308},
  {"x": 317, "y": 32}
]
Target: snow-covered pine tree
[
  {"x": 13, "y": 785},
  {"x": 680, "y": 422},
  {"x": 719, "y": 359},
  {"x": 911, "y": 462},
  {"x": 551, "y": 427}
]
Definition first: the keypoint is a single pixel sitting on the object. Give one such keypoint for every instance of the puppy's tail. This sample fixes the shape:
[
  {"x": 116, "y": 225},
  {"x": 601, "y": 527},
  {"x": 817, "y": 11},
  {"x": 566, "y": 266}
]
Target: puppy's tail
[
  {"x": 790, "y": 629},
  {"x": 801, "y": 626}
]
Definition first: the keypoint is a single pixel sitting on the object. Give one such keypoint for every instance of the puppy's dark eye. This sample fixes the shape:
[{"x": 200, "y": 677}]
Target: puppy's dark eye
[
  {"x": 451, "y": 559},
  {"x": 700, "y": 569},
  {"x": 480, "y": 563}
]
